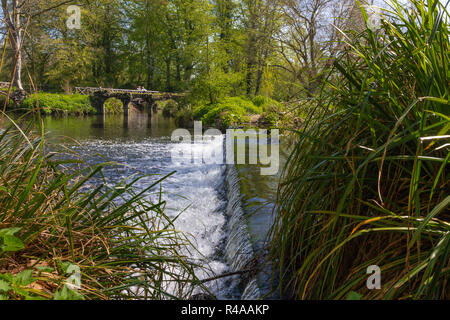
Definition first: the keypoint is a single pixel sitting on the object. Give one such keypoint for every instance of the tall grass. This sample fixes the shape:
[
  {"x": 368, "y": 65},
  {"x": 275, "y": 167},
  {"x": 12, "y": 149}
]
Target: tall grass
[
  {"x": 56, "y": 212},
  {"x": 368, "y": 181}
]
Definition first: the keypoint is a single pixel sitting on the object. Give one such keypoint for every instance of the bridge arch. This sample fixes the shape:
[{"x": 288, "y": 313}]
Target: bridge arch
[
  {"x": 139, "y": 98},
  {"x": 113, "y": 105}
]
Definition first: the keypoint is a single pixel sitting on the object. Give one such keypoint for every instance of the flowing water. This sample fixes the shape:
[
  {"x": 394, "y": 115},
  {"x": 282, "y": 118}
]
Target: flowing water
[{"x": 219, "y": 220}]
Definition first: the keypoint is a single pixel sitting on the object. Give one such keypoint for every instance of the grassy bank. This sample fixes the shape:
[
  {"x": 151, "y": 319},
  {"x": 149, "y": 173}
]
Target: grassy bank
[
  {"x": 59, "y": 216},
  {"x": 233, "y": 111},
  {"x": 53, "y": 103},
  {"x": 367, "y": 183}
]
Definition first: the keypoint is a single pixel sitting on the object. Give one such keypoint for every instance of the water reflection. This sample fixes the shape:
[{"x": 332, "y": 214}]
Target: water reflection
[{"x": 135, "y": 126}]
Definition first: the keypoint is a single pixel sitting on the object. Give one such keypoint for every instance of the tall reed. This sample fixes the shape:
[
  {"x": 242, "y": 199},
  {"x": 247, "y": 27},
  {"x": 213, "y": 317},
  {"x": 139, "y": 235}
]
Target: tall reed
[{"x": 368, "y": 181}]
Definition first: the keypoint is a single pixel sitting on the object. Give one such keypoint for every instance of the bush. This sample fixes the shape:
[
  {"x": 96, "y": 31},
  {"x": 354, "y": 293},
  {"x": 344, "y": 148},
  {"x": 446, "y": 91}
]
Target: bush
[
  {"x": 59, "y": 103},
  {"x": 270, "y": 119},
  {"x": 200, "y": 111},
  {"x": 113, "y": 106},
  {"x": 170, "y": 108},
  {"x": 267, "y": 104},
  {"x": 184, "y": 118},
  {"x": 227, "y": 112}
]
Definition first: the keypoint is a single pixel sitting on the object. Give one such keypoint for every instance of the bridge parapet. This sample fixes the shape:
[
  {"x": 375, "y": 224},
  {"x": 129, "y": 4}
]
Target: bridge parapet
[{"x": 92, "y": 90}]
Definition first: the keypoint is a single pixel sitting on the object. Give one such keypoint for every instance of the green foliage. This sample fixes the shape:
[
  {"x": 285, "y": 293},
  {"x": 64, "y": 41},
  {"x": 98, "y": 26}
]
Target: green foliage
[
  {"x": 169, "y": 108},
  {"x": 267, "y": 104},
  {"x": 184, "y": 118},
  {"x": 227, "y": 112},
  {"x": 67, "y": 294},
  {"x": 367, "y": 183},
  {"x": 201, "y": 110},
  {"x": 259, "y": 101},
  {"x": 50, "y": 103},
  {"x": 270, "y": 119},
  {"x": 19, "y": 286},
  {"x": 9, "y": 242},
  {"x": 210, "y": 49},
  {"x": 113, "y": 106},
  {"x": 352, "y": 295}
]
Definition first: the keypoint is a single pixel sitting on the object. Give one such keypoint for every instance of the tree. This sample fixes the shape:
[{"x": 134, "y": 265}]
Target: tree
[
  {"x": 309, "y": 38},
  {"x": 12, "y": 15}
]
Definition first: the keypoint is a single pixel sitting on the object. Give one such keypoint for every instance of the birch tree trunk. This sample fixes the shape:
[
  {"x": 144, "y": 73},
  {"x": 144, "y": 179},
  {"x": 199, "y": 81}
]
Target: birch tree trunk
[{"x": 11, "y": 14}]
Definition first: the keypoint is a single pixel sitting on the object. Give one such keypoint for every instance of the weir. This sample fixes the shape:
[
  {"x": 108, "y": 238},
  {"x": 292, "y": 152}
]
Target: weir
[{"x": 239, "y": 250}]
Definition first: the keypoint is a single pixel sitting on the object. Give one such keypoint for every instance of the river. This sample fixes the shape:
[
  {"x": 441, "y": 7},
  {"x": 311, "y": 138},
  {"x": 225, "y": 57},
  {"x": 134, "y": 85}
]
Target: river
[{"x": 208, "y": 196}]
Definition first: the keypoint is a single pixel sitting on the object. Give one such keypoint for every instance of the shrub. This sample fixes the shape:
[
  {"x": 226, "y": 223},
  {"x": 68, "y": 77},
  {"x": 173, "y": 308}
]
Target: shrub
[
  {"x": 267, "y": 104},
  {"x": 227, "y": 112},
  {"x": 270, "y": 119},
  {"x": 184, "y": 118},
  {"x": 170, "y": 108},
  {"x": 113, "y": 106},
  {"x": 200, "y": 111}
]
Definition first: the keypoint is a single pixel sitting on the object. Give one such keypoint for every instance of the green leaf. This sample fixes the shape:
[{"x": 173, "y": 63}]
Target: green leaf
[
  {"x": 354, "y": 296},
  {"x": 12, "y": 243},
  {"x": 9, "y": 231},
  {"x": 44, "y": 269},
  {"x": 23, "y": 278},
  {"x": 67, "y": 294},
  {"x": 4, "y": 286}
]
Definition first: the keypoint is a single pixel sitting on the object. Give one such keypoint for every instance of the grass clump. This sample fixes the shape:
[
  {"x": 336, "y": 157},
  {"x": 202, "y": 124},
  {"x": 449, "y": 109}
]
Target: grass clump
[
  {"x": 367, "y": 183},
  {"x": 53, "y": 103},
  {"x": 59, "y": 215}
]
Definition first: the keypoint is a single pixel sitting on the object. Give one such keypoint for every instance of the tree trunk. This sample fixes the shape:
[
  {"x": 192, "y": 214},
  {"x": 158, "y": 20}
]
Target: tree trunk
[
  {"x": 148, "y": 34},
  {"x": 168, "y": 84},
  {"x": 149, "y": 65},
  {"x": 13, "y": 22}
]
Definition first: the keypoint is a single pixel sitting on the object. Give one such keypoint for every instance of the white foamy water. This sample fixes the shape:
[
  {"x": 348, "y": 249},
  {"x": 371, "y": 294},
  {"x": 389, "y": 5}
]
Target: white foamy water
[{"x": 196, "y": 190}]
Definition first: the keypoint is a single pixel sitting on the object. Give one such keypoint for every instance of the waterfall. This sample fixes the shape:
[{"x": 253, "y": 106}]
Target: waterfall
[{"x": 239, "y": 251}]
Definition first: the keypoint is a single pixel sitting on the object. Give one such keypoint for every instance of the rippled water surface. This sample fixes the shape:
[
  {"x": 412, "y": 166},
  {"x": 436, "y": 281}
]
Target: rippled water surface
[{"x": 197, "y": 190}]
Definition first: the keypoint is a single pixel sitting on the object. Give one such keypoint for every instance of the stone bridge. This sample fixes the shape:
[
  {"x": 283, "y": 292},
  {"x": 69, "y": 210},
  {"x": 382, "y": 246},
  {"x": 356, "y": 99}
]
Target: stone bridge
[{"x": 138, "y": 98}]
